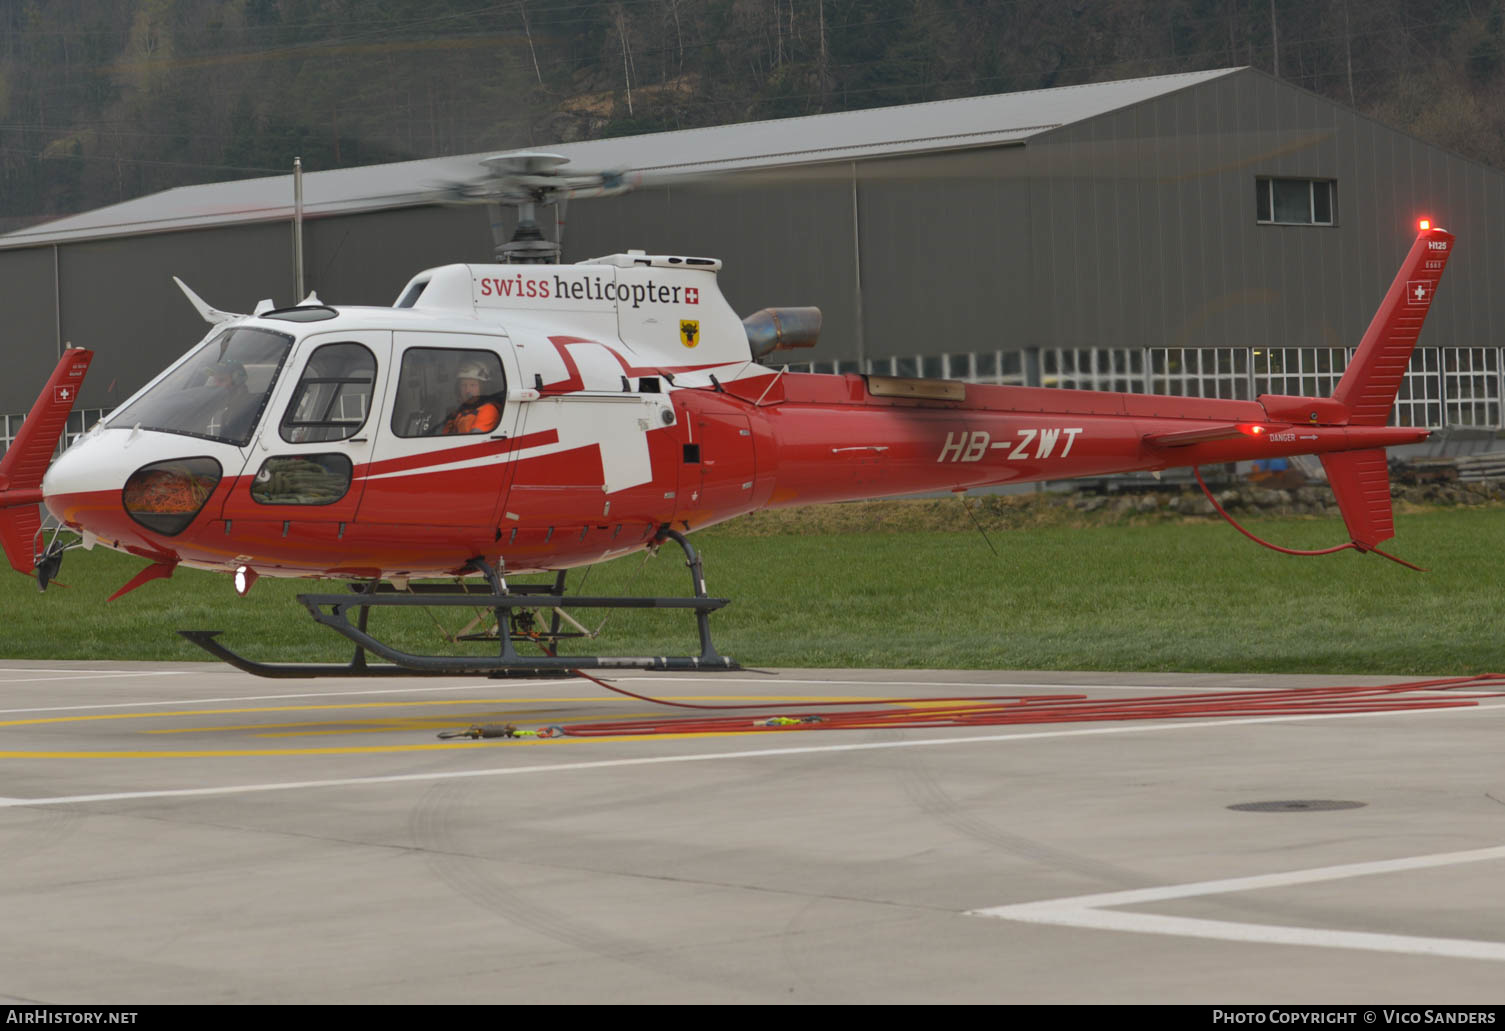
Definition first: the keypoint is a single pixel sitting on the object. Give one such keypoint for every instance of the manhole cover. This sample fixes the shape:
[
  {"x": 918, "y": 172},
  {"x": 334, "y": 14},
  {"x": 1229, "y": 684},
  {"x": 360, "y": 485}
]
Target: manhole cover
[{"x": 1296, "y": 805}]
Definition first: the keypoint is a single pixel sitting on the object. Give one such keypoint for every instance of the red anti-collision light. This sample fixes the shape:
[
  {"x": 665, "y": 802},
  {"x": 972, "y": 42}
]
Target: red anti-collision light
[{"x": 1425, "y": 224}]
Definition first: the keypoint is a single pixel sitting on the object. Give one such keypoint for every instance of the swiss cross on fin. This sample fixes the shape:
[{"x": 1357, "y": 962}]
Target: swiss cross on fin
[
  {"x": 1418, "y": 292},
  {"x": 63, "y": 395}
]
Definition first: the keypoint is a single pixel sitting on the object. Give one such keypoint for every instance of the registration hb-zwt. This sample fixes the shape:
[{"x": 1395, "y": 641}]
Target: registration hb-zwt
[{"x": 1032, "y": 443}]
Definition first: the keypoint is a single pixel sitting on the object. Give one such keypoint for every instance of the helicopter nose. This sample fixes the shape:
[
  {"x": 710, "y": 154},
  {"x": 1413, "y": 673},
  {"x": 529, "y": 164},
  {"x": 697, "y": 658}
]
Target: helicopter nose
[
  {"x": 90, "y": 487},
  {"x": 77, "y": 472}
]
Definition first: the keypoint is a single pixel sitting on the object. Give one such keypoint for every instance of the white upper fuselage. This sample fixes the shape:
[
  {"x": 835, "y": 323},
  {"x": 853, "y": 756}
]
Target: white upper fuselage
[{"x": 650, "y": 311}]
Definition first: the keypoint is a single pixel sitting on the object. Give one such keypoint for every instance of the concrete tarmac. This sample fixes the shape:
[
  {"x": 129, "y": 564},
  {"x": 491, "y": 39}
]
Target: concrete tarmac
[{"x": 186, "y": 833}]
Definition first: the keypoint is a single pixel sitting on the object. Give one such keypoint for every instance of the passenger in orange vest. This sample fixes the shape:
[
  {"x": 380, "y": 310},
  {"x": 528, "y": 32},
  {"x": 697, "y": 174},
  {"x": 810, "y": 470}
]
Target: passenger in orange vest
[{"x": 478, "y": 412}]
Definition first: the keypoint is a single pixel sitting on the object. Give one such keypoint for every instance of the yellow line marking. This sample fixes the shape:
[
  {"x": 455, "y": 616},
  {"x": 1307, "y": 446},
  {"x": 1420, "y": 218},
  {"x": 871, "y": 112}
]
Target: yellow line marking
[
  {"x": 382, "y": 723},
  {"x": 389, "y": 724},
  {"x": 437, "y": 720},
  {"x": 345, "y": 706},
  {"x": 347, "y": 750}
]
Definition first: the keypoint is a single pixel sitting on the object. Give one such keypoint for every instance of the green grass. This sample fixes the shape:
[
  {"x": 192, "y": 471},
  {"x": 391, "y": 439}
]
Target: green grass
[{"x": 1130, "y": 597}]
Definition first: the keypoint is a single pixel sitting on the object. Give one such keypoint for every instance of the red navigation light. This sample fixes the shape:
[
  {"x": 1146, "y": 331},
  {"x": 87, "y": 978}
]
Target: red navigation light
[
  {"x": 1425, "y": 224},
  {"x": 1251, "y": 429}
]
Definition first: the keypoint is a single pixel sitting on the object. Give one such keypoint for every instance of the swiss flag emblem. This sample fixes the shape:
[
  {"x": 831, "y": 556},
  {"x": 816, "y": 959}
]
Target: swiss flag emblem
[
  {"x": 692, "y": 295},
  {"x": 1419, "y": 292},
  {"x": 64, "y": 395}
]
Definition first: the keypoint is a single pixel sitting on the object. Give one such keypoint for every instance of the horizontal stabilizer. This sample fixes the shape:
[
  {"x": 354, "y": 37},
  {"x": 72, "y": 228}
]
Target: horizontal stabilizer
[
  {"x": 1361, "y": 483},
  {"x": 1186, "y": 438}
]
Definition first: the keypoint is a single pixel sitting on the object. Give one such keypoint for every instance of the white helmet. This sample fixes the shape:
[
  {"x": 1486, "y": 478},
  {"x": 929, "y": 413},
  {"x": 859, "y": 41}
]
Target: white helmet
[{"x": 475, "y": 370}]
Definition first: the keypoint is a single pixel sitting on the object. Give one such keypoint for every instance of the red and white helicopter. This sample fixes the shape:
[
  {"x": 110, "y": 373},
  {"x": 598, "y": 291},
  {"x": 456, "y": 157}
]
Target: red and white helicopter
[{"x": 523, "y": 417}]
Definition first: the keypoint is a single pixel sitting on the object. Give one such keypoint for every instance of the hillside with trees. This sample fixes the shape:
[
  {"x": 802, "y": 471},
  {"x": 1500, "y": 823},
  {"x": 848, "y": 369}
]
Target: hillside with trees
[{"x": 104, "y": 100}]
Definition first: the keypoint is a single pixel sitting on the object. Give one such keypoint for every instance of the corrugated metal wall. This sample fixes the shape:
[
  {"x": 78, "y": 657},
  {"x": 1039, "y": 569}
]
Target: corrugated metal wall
[
  {"x": 32, "y": 344},
  {"x": 118, "y": 299},
  {"x": 1144, "y": 222},
  {"x": 784, "y": 240}
]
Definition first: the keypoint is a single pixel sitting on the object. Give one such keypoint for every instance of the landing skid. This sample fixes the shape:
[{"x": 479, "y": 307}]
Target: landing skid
[{"x": 332, "y": 610}]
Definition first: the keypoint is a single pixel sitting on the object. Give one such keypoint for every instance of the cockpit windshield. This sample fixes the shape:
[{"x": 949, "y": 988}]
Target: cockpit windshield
[{"x": 218, "y": 393}]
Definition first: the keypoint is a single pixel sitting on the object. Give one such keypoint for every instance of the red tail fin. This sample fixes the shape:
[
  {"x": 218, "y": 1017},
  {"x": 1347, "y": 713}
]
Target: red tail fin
[
  {"x": 1373, "y": 378},
  {"x": 30, "y": 454},
  {"x": 1361, "y": 479},
  {"x": 18, "y": 533},
  {"x": 1361, "y": 483}
]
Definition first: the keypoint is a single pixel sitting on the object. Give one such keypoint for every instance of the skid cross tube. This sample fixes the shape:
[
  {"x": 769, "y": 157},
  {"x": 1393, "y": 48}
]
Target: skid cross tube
[{"x": 332, "y": 610}]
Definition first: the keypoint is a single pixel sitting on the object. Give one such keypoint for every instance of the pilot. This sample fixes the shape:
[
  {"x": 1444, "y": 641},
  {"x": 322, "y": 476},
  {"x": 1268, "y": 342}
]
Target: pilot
[
  {"x": 478, "y": 411},
  {"x": 229, "y": 376},
  {"x": 233, "y": 407}
]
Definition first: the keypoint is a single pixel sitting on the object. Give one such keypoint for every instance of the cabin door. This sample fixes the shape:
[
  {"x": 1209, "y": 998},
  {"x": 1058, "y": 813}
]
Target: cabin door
[
  {"x": 444, "y": 441},
  {"x": 307, "y": 462}
]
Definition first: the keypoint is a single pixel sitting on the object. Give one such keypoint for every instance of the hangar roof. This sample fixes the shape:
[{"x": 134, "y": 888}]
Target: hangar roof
[{"x": 844, "y": 136}]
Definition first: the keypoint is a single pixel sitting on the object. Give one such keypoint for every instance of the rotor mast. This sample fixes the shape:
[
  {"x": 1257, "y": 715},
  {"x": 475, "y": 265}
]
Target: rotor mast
[{"x": 527, "y": 181}]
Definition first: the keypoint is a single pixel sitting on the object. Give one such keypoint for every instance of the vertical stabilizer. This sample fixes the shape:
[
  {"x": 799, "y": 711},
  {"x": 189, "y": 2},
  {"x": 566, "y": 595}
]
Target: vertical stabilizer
[
  {"x": 1361, "y": 484},
  {"x": 30, "y": 454},
  {"x": 1374, "y": 376}
]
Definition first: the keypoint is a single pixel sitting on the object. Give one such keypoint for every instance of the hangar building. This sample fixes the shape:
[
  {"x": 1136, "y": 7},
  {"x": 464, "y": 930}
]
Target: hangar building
[{"x": 1217, "y": 233}]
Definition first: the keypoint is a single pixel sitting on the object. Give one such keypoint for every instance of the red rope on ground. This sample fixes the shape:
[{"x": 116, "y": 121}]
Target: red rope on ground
[
  {"x": 765, "y": 705},
  {"x": 1016, "y": 710}
]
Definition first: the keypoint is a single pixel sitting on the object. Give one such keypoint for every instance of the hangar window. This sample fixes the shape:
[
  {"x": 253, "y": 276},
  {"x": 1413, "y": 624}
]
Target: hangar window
[
  {"x": 1419, "y": 402},
  {"x": 1471, "y": 386},
  {"x": 1119, "y": 369},
  {"x": 1307, "y": 371},
  {"x": 1200, "y": 372},
  {"x": 1294, "y": 202}
]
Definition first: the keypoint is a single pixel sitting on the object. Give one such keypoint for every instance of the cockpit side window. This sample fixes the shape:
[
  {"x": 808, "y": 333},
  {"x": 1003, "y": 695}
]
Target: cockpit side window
[
  {"x": 218, "y": 392},
  {"x": 448, "y": 391},
  {"x": 333, "y": 396}
]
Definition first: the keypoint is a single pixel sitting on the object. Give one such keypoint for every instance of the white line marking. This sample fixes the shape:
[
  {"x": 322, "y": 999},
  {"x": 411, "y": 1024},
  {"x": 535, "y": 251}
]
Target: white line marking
[
  {"x": 509, "y": 771},
  {"x": 96, "y": 675},
  {"x": 489, "y": 686},
  {"x": 1090, "y": 911},
  {"x": 91, "y": 669}
]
